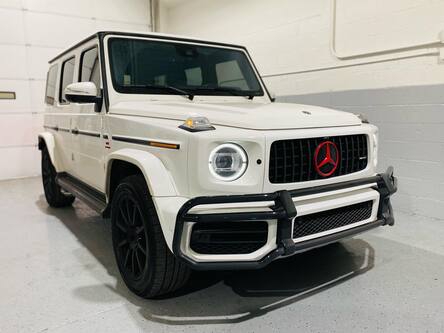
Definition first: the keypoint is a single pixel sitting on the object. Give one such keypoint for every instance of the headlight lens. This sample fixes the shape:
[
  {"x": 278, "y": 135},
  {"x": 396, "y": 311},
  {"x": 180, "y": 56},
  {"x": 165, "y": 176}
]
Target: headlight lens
[{"x": 228, "y": 162}]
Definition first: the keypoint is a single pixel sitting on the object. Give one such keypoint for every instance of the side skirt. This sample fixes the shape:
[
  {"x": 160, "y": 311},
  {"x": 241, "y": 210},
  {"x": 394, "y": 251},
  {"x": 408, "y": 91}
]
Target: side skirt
[{"x": 93, "y": 198}]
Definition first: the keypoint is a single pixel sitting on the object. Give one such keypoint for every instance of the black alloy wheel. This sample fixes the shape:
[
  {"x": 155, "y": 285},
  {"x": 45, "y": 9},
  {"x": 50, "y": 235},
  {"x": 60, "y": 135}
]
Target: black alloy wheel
[
  {"x": 148, "y": 267},
  {"x": 131, "y": 238}
]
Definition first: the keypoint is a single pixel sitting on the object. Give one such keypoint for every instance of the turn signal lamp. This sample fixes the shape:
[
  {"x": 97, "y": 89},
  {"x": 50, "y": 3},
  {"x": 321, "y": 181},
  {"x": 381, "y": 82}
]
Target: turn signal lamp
[{"x": 197, "y": 124}]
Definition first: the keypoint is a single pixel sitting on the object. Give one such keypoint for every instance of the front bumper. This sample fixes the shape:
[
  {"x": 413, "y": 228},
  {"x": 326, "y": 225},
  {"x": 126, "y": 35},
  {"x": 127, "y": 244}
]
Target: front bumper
[{"x": 284, "y": 211}]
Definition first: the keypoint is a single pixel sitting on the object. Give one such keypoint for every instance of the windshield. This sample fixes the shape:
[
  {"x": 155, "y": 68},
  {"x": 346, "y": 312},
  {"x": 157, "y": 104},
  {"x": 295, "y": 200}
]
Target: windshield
[{"x": 157, "y": 67}]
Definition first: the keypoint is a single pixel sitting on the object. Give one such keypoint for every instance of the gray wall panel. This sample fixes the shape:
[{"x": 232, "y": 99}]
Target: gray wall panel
[{"x": 411, "y": 123}]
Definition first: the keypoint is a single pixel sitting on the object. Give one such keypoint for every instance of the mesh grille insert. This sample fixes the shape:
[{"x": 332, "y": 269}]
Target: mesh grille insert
[
  {"x": 228, "y": 237},
  {"x": 331, "y": 219}
]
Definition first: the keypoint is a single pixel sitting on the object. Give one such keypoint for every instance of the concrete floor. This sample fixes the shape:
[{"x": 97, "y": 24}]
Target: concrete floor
[{"x": 57, "y": 274}]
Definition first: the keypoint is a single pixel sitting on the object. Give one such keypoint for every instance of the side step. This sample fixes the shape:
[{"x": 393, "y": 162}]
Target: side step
[{"x": 93, "y": 198}]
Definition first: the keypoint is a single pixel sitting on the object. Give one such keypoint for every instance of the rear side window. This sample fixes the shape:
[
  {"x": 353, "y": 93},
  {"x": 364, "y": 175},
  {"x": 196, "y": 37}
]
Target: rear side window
[
  {"x": 51, "y": 79},
  {"x": 67, "y": 77},
  {"x": 89, "y": 67}
]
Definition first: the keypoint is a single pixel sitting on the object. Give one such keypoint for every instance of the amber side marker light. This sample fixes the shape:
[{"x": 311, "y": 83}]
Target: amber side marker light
[
  {"x": 7, "y": 95},
  {"x": 163, "y": 145}
]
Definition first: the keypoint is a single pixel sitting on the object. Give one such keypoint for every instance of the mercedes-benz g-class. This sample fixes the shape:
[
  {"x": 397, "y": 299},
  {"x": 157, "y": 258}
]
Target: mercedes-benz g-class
[{"x": 178, "y": 141}]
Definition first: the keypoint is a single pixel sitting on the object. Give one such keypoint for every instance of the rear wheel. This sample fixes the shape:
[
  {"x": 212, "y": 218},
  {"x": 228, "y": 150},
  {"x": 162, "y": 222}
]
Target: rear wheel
[
  {"x": 146, "y": 264},
  {"x": 53, "y": 193}
]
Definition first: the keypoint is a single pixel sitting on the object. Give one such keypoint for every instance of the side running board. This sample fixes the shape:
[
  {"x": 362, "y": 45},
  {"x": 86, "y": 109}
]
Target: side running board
[{"x": 93, "y": 198}]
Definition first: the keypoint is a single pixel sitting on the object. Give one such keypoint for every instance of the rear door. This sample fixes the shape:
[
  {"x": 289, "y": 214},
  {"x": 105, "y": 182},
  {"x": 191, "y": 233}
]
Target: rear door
[{"x": 62, "y": 117}]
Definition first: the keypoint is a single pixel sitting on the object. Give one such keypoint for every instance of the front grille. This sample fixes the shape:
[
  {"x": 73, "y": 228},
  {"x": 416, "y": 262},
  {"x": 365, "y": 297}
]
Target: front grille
[
  {"x": 331, "y": 219},
  {"x": 228, "y": 237},
  {"x": 293, "y": 160}
]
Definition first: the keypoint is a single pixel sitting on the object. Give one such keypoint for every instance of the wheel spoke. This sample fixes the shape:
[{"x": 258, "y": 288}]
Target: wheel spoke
[
  {"x": 128, "y": 213},
  {"x": 121, "y": 227},
  {"x": 122, "y": 243},
  {"x": 141, "y": 249},
  {"x": 139, "y": 229},
  {"x": 126, "y": 257},
  {"x": 134, "y": 213},
  {"x": 126, "y": 210},
  {"x": 124, "y": 216},
  {"x": 133, "y": 265},
  {"x": 138, "y": 262}
]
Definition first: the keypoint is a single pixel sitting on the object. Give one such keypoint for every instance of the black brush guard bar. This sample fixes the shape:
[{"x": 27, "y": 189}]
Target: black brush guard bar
[{"x": 284, "y": 211}]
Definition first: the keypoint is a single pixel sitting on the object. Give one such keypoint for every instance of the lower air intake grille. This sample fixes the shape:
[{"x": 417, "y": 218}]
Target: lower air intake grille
[
  {"x": 331, "y": 219},
  {"x": 228, "y": 237}
]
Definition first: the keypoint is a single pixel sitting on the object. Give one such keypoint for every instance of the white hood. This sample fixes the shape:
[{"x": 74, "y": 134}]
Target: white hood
[{"x": 270, "y": 116}]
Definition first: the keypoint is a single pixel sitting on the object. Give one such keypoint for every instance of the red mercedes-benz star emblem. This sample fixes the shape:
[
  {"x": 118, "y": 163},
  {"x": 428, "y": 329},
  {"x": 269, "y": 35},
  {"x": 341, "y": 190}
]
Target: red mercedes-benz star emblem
[{"x": 326, "y": 158}]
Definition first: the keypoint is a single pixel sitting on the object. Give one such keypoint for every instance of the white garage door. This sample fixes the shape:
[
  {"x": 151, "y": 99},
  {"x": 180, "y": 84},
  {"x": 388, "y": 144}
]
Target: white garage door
[{"x": 31, "y": 33}]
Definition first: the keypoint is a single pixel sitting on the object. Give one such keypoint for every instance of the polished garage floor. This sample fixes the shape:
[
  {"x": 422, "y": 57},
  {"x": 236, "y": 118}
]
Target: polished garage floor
[{"x": 57, "y": 274}]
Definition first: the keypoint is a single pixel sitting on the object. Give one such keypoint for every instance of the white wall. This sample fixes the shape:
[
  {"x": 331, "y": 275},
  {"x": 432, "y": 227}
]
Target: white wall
[
  {"x": 294, "y": 35},
  {"x": 402, "y": 92},
  {"x": 31, "y": 33}
]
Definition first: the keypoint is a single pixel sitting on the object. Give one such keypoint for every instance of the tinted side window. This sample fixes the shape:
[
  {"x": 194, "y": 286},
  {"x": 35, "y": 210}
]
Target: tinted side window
[
  {"x": 51, "y": 79},
  {"x": 89, "y": 67},
  {"x": 66, "y": 78}
]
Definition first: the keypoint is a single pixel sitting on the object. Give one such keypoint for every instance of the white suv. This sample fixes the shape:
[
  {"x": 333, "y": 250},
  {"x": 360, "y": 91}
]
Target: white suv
[{"x": 179, "y": 142}]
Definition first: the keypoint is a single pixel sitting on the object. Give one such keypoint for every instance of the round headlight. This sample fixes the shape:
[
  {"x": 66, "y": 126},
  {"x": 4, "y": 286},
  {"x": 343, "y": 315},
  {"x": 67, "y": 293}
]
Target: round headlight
[{"x": 228, "y": 162}]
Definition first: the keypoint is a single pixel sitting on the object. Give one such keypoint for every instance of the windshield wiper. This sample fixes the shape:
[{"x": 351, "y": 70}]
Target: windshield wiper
[
  {"x": 231, "y": 91},
  {"x": 181, "y": 92}
]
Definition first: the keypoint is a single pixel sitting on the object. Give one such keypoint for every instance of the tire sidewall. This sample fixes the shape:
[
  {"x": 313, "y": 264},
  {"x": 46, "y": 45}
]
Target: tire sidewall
[{"x": 47, "y": 169}]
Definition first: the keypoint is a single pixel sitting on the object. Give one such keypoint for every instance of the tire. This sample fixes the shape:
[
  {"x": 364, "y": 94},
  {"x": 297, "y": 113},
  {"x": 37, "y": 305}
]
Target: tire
[
  {"x": 146, "y": 264},
  {"x": 53, "y": 193}
]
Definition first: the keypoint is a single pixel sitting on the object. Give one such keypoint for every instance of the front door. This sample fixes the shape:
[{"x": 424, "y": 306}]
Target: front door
[{"x": 87, "y": 124}]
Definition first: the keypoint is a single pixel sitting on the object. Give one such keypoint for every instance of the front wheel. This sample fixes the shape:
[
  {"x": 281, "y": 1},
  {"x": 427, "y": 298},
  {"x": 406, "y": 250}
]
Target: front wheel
[{"x": 146, "y": 264}]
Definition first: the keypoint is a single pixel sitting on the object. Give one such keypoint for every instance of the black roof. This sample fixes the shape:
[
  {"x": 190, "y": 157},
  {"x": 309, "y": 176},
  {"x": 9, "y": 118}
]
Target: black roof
[{"x": 102, "y": 34}]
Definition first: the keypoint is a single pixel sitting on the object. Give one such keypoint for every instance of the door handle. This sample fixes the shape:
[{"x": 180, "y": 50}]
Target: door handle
[{"x": 75, "y": 131}]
